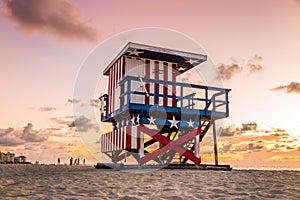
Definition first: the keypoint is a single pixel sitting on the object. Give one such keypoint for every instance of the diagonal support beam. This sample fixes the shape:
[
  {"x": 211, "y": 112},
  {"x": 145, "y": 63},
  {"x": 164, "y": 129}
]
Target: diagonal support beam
[{"x": 170, "y": 145}]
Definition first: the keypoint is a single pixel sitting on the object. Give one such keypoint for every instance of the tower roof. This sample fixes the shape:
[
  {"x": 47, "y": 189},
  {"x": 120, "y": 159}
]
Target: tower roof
[{"x": 184, "y": 60}]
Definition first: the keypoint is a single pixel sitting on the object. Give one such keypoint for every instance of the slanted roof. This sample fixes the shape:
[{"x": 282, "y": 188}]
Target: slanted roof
[{"x": 184, "y": 60}]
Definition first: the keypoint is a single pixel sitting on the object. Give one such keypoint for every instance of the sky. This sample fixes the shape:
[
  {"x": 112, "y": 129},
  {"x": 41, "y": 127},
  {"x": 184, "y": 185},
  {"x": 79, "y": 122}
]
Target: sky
[{"x": 254, "y": 46}]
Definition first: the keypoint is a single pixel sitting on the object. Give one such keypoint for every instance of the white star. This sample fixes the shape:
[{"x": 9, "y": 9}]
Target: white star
[
  {"x": 135, "y": 52},
  {"x": 133, "y": 121},
  {"x": 138, "y": 119},
  {"x": 173, "y": 122},
  {"x": 151, "y": 120},
  {"x": 191, "y": 61},
  {"x": 190, "y": 123},
  {"x": 181, "y": 69}
]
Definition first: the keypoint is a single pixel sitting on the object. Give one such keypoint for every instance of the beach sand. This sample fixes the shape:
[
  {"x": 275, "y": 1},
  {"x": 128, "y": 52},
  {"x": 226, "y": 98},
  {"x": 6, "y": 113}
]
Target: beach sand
[{"x": 86, "y": 182}]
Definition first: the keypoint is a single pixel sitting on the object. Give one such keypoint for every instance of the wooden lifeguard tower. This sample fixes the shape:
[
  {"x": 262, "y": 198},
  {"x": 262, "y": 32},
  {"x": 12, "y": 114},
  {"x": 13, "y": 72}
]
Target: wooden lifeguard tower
[{"x": 156, "y": 119}]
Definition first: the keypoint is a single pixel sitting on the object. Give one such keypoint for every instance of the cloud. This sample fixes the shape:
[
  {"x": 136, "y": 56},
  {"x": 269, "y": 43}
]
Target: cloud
[
  {"x": 82, "y": 124},
  {"x": 226, "y": 72},
  {"x": 228, "y": 131},
  {"x": 65, "y": 121},
  {"x": 9, "y": 137},
  {"x": 249, "y": 127},
  {"x": 72, "y": 101},
  {"x": 47, "y": 109},
  {"x": 254, "y": 64},
  {"x": 95, "y": 103},
  {"x": 12, "y": 137},
  {"x": 226, "y": 148},
  {"x": 30, "y": 135},
  {"x": 254, "y": 68},
  {"x": 236, "y": 66},
  {"x": 252, "y": 146},
  {"x": 57, "y": 17},
  {"x": 292, "y": 87},
  {"x": 233, "y": 130}
]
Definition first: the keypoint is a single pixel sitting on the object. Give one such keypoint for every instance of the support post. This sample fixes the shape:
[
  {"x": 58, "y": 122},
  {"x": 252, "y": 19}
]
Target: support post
[
  {"x": 197, "y": 146},
  {"x": 215, "y": 142},
  {"x": 141, "y": 150}
]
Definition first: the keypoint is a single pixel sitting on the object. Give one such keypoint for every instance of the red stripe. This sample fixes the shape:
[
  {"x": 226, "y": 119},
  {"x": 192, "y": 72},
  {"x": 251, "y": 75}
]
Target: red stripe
[
  {"x": 138, "y": 137},
  {"x": 123, "y": 65},
  {"x": 147, "y": 74},
  {"x": 120, "y": 69},
  {"x": 128, "y": 137},
  {"x": 104, "y": 143},
  {"x": 109, "y": 91},
  {"x": 116, "y": 139},
  {"x": 101, "y": 143},
  {"x": 173, "y": 86},
  {"x": 165, "y": 86},
  {"x": 121, "y": 138},
  {"x": 111, "y": 141},
  {"x": 156, "y": 86},
  {"x": 107, "y": 142},
  {"x": 118, "y": 72}
]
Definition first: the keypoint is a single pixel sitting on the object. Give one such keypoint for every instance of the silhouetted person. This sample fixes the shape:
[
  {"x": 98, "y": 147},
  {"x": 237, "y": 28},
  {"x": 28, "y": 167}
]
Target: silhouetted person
[
  {"x": 71, "y": 161},
  {"x": 58, "y": 160},
  {"x": 83, "y": 161},
  {"x": 78, "y": 162}
]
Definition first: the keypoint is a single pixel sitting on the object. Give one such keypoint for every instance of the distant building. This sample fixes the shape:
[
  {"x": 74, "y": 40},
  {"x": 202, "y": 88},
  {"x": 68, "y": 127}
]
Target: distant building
[
  {"x": 20, "y": 159},
  {"x": 9, "y": 157},
  {"x": 2, "y": 156}
]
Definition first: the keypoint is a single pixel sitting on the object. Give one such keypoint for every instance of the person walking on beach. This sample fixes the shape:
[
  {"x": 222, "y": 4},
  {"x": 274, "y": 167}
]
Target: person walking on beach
[
  {"x": 83, "y": 161},
  {"x": 71, "y": 161},
  {"x": 77, "y": 161},
  {"x": 58, "y": 160}
]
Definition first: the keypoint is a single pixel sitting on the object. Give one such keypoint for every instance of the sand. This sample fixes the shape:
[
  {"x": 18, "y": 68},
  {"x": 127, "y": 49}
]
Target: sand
[{"x": 86, "y": 182}]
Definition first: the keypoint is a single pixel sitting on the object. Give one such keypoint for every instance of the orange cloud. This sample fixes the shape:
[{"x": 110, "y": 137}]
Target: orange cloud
[{"x": 292, "y": 87}]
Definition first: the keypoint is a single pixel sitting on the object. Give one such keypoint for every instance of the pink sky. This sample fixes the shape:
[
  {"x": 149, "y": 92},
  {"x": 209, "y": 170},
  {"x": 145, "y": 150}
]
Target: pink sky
[{"x": 41, "y": 58}]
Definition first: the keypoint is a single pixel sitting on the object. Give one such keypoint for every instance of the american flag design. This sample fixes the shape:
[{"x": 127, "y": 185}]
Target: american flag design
[
  {"x": 116, "y": 73},
  {"x": 144, "y": 68},
  {"x": 127, "y": 137}
]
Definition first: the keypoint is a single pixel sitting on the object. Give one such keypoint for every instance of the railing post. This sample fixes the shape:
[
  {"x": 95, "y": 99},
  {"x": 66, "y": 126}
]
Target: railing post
[
  {"x": 121, "y": 93},
  {"x": 227, "y": 106},
  {"x": 215, "y": 141},
  {"x": 206, "y": 100},
  {"x": 128, "y": 90},
  {"x": 181, "y": 96}
]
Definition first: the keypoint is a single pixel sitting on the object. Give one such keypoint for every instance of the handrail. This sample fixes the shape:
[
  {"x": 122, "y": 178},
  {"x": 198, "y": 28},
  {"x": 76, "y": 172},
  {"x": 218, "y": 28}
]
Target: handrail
[
  {"x": 210, "y": 95},
  {"x": 164, "y": 82}
]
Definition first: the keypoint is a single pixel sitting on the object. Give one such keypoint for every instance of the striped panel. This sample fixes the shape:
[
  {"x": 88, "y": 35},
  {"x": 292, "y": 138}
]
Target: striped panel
[
  {"x": 127, "y": 137},
  {"x": 116, "y": 73}
]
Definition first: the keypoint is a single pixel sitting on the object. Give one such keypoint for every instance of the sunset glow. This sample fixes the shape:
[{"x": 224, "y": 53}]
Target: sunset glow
[{"x": 254, "y": 46}]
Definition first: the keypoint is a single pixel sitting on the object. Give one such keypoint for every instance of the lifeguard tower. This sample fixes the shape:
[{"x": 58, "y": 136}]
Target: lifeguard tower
[{"x": 156, "y": 119}]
